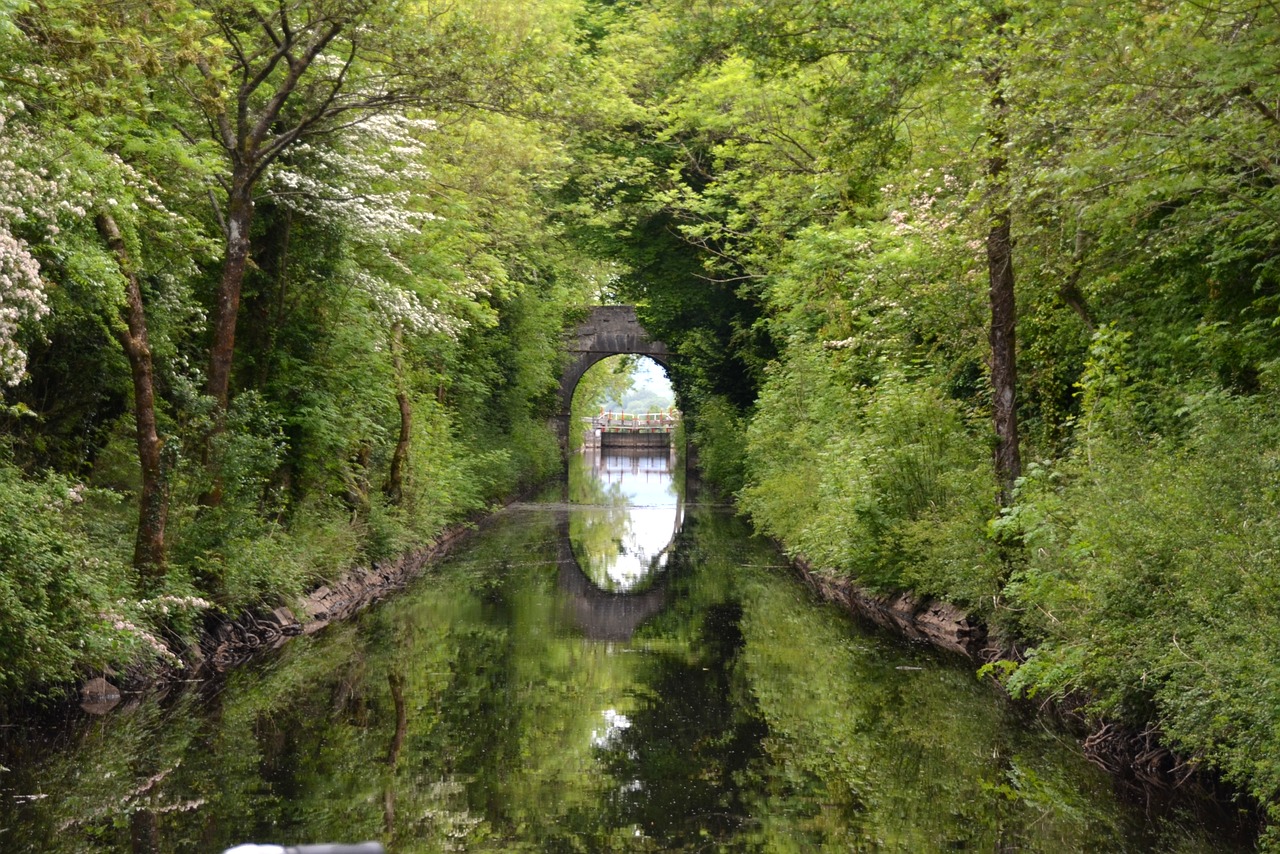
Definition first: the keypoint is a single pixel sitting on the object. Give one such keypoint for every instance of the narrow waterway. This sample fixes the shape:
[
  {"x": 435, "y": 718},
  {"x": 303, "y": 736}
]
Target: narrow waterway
[{"x": 618, "y": 666}]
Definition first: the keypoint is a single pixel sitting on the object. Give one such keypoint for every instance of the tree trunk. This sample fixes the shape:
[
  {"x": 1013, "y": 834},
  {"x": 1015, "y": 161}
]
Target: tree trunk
[
  {"x": 144, "y": 832},
  {"x": 1004, "y": 359},
  {"x": 153, "y": 500},
  {"x": 396, "y": 681},
  {"x": 226, "y": 304},
  {"x": 1070, "y": 293},
  {"x": 395, "y": 478},
  {"x": 226, "y": 309},
  {"x": 284, "y": 239}
]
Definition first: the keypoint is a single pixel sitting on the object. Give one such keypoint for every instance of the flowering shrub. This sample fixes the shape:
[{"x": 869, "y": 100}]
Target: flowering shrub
[
  {"x": 22, "y": 296},
  {"x": 54, "y": 587}
]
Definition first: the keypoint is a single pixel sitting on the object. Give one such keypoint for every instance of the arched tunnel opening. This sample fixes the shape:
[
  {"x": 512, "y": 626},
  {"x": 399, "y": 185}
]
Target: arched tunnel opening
[
  {"x": 623, "y": 401},
  {"x": 624, "y": 478}
]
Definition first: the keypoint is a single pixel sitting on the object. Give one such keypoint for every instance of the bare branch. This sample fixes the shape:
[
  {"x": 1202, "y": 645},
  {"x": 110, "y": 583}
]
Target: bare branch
[
  {"x": 271, "y": 33},
  {"x": 219, "y": 122},
  {"x": 297, "y": 68},
  {"x": 217, "y": 213},
  {"x": 284, "y": 23},
  {"x": 251, "y": 84},
  {"x": 1268, "y": 112},
  {"x": 233, "y": 39},
  {"x": 746, "y": 277}
]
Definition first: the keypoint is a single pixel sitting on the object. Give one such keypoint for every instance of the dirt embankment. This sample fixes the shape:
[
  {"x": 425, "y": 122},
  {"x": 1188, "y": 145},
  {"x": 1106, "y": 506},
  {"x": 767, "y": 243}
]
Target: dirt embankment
[
  {"x": 226, "y": 643},
  {"x": 938, "y": 623},
  {"x": 236, "y": 641}
]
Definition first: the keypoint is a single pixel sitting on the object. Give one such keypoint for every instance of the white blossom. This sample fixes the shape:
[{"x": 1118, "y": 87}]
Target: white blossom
[
  {"x": 30, "y": 199},
  {"x": 400, "y": 305},
  {"x": 370, "y": 180},
  {"x": 362, "y": 181},
  {"x": 127, "y": 627},
  {"x": 22, "y": 298}
]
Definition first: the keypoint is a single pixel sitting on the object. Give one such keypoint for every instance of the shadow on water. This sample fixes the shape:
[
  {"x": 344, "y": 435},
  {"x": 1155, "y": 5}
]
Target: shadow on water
[{"x": 626, "y": 670}]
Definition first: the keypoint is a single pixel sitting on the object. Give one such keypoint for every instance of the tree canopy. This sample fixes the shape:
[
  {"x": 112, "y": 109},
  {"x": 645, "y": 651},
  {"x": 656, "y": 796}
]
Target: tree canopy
[{"x": 978, "y": 298}]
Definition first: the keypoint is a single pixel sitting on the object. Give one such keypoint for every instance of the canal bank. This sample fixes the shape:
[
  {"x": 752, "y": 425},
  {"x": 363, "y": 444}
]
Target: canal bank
[
  {"x": 1136, "y": 756},
  {"x": 225, "y": 642}
]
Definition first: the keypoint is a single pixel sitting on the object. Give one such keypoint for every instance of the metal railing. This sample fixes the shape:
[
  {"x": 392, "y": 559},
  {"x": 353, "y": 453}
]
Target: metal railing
[{"x": 622, "y": 422}]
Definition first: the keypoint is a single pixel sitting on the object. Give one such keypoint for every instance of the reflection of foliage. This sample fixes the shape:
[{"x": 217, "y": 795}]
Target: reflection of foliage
[
  {"x": 883, "y": 753},
  {"x": 686, "y": 765},
  {"x": 600, "y": 521},
  {"x": 461, "y": 716},
  {"x": 586, "y": 489}
]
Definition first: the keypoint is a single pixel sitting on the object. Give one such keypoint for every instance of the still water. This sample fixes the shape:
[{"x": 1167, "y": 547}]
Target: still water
[{"x": 617, "y": 667}]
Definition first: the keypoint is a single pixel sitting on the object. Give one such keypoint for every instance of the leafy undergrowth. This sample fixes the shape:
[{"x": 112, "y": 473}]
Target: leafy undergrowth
[
  {"x": 1151, "y": 584},
  {"x": 1143, "y": 568},
  {"x": 71, "y": 604}
]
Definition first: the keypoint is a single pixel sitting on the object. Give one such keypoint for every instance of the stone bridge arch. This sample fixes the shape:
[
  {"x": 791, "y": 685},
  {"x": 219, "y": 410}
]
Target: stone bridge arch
[{"x": 609, "y": 330}]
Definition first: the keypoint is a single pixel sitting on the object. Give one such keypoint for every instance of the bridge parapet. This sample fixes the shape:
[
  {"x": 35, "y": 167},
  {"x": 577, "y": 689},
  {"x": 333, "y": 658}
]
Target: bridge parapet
[{"x": 622, "y": 422}]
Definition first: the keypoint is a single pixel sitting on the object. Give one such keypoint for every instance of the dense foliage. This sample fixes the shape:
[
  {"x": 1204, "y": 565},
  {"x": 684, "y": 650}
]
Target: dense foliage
[
  {"x": 830, "y": 210},
  {"x": 279, "y": 293},
  {"x": 988, "y": 291}
]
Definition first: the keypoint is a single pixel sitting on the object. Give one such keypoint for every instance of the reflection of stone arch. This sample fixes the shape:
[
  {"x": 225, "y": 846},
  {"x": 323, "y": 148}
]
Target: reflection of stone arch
[
  {"x": 609, "y": 330},
  {"x": 602, "y": 615}
]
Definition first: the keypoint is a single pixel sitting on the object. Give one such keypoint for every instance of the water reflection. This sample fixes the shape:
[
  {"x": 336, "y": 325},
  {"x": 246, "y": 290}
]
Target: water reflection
[
  {"x": 599, "y": 614},
  {"x": 628, "y": 509},
  {"x": 508, "y": 703}
]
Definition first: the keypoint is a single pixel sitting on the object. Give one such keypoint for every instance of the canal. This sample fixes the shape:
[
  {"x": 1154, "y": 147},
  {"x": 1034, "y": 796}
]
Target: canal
[{"x": 618, "y": 666}]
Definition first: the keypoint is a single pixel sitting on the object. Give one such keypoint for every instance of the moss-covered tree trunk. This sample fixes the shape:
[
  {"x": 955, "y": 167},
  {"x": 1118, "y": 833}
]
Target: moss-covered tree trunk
[
  {"x": 999, "y": 243},
  {"x": 153, "y": 501},
  {"x": 394, "y": 488}
]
